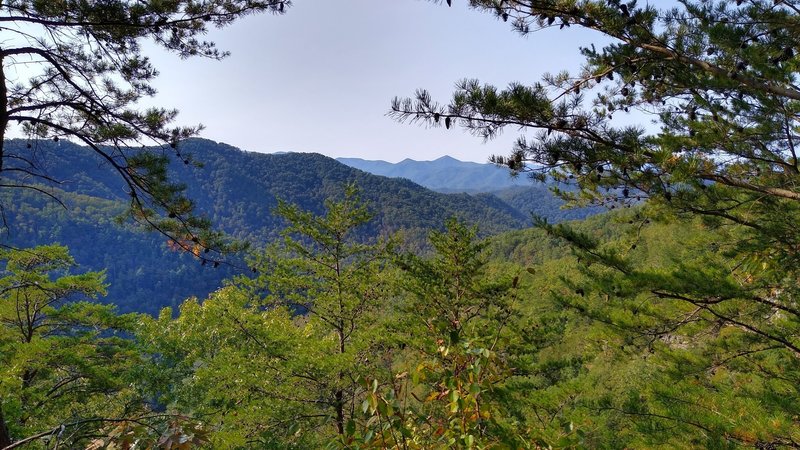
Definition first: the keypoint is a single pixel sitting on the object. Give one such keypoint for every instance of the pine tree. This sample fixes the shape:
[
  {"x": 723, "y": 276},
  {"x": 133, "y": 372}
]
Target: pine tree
[
  {"x": 338, "y": 282},
  {"x": 63, "y": 360},
  {"x": 719, "y": 77},
  {"x": 75, "y": 69},
  {"x": 274, "y": 361},
  {"x": 720, "y": 80},
  {"x": 457, "y": 330}
]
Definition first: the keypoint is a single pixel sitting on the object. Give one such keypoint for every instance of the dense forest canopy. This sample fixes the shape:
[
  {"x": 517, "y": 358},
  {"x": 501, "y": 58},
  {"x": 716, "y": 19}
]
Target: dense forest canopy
[
  {"x": 670, "y": 322},
  {"x": 237, "y": 191}
]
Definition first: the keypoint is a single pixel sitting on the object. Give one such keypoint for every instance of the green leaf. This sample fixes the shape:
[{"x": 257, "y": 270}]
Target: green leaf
[{"x": 469, "y": 441}]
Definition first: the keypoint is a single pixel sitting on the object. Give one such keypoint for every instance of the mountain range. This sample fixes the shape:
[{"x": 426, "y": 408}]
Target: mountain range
[
  {"x": 448, "y": 175},
  {"x": 445, "y": 174},
  {"x": 237, "y": 190}
]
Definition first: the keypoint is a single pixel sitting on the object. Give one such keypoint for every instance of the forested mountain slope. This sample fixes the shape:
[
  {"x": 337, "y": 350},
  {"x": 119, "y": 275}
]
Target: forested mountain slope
[
  {"x": 237, "y": 190},
  {"x": 143, "y": 274}
]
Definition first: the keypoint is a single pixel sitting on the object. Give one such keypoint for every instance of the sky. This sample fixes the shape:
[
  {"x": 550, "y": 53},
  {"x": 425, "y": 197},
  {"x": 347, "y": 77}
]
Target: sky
[{"x": 321, "y": 77}]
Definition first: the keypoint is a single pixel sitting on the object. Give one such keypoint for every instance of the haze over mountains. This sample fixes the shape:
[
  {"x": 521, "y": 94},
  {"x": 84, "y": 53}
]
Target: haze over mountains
[
  {"x": 238, "y": 190},
  {"x": 449, "y": 175},
  {"x": 445, "y": 174}
]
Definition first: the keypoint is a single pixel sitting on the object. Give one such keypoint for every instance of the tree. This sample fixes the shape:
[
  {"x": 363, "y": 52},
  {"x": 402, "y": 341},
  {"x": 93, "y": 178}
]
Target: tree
[
  {"x": 75, "y": 69},
  {"x": 459, "y": 331},
  {"x": 720, "y": 80},
  {"x": 283, "y": 352},
  {"x": 718, "y": 77},
  {"x": 63, "y": 361},
  {"x": 338, "y": 281}
]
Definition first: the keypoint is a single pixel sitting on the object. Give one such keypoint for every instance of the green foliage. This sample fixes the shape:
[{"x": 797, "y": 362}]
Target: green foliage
[
  {"x": 85, "y": 80},
  {"x": 458, "y": 331},
  {"x": 341, "y": 286},
  {"x": 715, "y": 301},
  {"x": 64, "y": 362},
  {"x": 273, "y": 361},
  {"x": 181, "y": 433},
  {"x": 441, "y": 403},
  {"x": 146, "y": 274},
  {"x": 473, "y": 352},
  {"x": 717, "y": 77},
  {"x": 237, "y": 192},
  {"x": 654, "y": 369},
  {"x": 250, "y": 373}
]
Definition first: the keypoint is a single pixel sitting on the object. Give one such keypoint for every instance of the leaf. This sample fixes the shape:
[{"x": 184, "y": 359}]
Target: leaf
[{"x": 475, "y": 389}]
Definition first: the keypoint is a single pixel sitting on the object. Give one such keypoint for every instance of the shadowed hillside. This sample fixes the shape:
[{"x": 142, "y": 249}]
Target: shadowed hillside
[{"x": 237, "y": 190}]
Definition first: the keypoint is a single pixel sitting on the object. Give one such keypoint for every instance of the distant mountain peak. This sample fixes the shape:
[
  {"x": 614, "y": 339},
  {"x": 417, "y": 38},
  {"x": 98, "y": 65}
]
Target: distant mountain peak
[
  {"x": 447, "y": 158},
  {"x": 444, "y": 174}
]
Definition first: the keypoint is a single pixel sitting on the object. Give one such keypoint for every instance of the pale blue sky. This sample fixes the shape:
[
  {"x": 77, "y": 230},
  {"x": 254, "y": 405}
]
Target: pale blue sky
[{"x": 321, "y": 77}]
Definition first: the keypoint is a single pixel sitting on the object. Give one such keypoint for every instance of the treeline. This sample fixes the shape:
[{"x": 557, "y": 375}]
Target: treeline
[{"x": 334, "y": 342}]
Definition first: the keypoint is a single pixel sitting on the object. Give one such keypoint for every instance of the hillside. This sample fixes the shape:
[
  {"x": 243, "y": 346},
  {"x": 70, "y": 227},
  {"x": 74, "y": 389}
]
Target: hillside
[
  {"x": 535, "y": 198},
  {"x": 142, "y": 273},
  {"x": 237, "y": 190}
]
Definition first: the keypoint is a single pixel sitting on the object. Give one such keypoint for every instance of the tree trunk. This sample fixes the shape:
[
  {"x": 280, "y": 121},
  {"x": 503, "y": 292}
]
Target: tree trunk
[
  {"x": 5, "y": 438},
  {"x": 340, "y": 332},
  {"x": 340, "y": 412},
  {"x": 340, "y": 392},
  {"x": 3, "y": 112}
]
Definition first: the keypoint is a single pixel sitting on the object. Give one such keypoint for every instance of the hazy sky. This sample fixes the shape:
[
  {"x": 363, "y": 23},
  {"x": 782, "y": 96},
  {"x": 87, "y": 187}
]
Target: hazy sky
[{"x": 321, "y": 77}]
